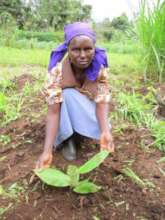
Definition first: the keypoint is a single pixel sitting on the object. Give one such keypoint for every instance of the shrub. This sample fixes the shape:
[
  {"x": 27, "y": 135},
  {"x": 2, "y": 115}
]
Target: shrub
[{"x": 40, "y": 36}]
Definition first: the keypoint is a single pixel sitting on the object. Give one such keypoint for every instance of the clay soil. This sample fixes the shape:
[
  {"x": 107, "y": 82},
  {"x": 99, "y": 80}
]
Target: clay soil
[{"x": 119, "y": 198}]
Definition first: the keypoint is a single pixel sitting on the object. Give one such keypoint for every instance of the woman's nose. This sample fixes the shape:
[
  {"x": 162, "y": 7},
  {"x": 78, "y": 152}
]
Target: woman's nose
[{"x": 82, "y": 54}]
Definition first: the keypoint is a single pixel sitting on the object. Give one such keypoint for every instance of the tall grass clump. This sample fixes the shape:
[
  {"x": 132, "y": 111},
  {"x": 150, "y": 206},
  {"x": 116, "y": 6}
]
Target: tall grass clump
[
  {"x": 134, "y": 109},
  {"x": 151, "y": 32}
]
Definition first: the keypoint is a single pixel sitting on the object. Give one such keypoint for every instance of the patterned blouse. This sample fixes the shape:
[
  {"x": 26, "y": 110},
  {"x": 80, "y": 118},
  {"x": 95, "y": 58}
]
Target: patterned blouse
[{"x": 62, "y": 76}]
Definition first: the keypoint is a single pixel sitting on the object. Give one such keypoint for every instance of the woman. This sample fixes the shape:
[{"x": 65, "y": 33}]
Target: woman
[{"x": 77, "y": 93}]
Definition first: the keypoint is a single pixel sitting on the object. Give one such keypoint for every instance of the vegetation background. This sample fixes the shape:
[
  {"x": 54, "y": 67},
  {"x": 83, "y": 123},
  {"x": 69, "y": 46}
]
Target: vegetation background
[{"x": 29, "y": 30}]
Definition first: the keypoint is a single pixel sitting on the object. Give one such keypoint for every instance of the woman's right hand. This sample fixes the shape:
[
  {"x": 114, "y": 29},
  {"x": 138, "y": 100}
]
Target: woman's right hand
[{"x": 44, "y": 160}]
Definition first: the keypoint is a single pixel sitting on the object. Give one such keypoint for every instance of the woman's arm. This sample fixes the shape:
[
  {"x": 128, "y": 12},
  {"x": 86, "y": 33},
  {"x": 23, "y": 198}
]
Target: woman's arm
[
  {"x": 53, "y": 95},
  {"x": 52, "y": 123},
  {"x": 106, "y": 139},
  {"x": 102, "y": 110}
]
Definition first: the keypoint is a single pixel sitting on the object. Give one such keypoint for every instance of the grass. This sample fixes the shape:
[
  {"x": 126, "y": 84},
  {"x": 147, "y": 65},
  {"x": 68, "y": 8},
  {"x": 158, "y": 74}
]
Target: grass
[
  {"x": 5, "y": 139},
  {"x": 151, "y": 29},
  {"x": 136, "y": 179},
  {"x": 124, "y": 47},
  {"x": 5, "y": 209},
  {"x": 158, "y": 132},
  {"x": 125, "y": 65},
  {"x": 119, "y": 63},
  {"x": 11, "y": 109},
  {"x": 14, "y": 57},
  {"x": 133, "y": 108},
  {"x": 161, "y": 160},
  {"x": 12, "y": 193},
  {"x": 139, "y": 110},
  {"x": 12, "y": 101}
]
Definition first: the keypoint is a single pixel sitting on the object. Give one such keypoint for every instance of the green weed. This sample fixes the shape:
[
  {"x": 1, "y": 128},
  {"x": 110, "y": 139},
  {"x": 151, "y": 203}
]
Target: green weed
[
  {"x": 5, "y": 139},
  {"x": 138, "y": 110},
  {"x": 11, "y": 192},
  {"x": 162, "y": 171},
  {"x": 133, "y": 108},
  {"x": 136, "y": 179},
  {"x": 162, "y": 159},
  {"x": 3, "y": 102},
  {"x": 5, "y": 85},
  {"x": 10, "y": 107},
  {"x": 158, "y": 132},
  {"x": 5, "y": 209}
]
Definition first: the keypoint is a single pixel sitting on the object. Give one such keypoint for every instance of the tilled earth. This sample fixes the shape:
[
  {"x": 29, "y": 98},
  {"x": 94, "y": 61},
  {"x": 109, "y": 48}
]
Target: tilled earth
[{"x": 119, "y": 198}]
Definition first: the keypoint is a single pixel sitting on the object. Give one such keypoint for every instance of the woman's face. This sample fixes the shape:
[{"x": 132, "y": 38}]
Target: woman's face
[{"x": 81, "y": 51}]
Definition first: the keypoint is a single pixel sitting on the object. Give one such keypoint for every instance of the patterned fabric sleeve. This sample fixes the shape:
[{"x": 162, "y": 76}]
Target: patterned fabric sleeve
[
  {"x": 103, "y": 88},
  {"x": 52, "y": 89}
]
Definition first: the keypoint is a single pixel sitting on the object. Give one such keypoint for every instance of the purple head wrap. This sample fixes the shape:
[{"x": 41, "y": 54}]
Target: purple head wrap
[{"x": 71, "y": 31}]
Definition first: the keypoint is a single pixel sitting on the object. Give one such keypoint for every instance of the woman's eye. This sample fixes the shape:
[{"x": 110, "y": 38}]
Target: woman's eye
[
  {"x": 88, "y": 49},
  {"x": 75, "y": 49}
]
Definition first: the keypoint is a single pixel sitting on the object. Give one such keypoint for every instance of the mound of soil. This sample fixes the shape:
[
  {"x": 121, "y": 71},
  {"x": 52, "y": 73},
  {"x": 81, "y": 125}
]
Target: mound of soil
[{"x": 20, "y": 81}]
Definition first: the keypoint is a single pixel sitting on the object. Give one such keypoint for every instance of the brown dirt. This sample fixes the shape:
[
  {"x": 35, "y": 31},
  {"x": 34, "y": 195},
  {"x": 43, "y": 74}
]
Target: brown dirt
[{"x": 119, "y": 199}]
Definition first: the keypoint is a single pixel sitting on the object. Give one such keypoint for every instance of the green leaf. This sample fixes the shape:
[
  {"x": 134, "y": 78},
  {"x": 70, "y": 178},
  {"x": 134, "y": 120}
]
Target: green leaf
[
  {"x": 85, "y": 187},
  {"x": 94, "y": 162},
  {"x": 2, "y": 191},
  {"x": 53, "y": 177},
  {"x": 162, "y": 159},
  {"x": 4, "y": 209},
  {"x": 73, "y": 173}
]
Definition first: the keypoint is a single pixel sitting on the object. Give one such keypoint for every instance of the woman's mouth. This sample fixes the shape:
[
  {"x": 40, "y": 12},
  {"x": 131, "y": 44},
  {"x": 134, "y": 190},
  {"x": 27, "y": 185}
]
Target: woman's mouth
[{"x": 83, "y": 62}]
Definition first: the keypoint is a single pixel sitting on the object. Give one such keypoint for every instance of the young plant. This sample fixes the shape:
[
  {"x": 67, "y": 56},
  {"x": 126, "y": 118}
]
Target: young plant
[
  {"x": 57, "y": 178},
  {"x": 136, "y": 179}
]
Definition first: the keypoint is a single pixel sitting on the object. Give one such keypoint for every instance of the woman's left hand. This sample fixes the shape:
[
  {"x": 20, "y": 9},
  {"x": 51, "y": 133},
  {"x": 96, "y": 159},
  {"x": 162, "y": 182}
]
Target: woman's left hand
[{"x": 106, "y": 142}]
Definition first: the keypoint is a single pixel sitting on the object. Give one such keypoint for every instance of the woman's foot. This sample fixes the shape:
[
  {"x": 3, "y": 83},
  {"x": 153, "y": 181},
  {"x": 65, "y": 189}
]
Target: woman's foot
[{"x": 69, "y": 149}]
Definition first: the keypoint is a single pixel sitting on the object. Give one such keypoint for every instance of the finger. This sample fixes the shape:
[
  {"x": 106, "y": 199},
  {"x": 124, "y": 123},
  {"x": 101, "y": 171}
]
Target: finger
[
  {"x": 47, "y": 162},
  {"x": 108, "y": 147},
  {"x": 37, "y": 165},
  {"x": 111, "y": 148},
  {"x": 104, "y": 147}
]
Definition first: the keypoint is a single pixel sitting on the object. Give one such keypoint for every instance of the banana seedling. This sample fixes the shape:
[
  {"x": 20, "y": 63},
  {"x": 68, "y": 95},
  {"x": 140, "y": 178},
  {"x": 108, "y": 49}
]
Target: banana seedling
[{"x": 57, "y": 178}]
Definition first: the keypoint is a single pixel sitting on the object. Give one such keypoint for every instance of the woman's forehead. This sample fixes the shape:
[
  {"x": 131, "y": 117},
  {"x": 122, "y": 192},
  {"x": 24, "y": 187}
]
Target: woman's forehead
[{"x": 81, "y": 39}]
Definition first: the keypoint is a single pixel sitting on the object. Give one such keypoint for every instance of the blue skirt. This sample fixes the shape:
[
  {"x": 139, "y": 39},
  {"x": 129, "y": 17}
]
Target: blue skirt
[{"x": 78, "y": 114}]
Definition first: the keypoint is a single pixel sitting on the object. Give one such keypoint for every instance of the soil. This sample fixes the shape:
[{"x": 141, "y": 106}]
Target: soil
[{"x": 119, "y": 198}]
